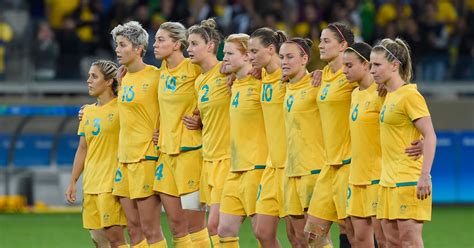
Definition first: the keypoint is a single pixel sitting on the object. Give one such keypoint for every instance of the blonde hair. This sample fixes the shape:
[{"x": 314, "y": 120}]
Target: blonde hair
[
  {"x": 109, "y": 70},
  {"x": 397, "y": 50},
  {"x": 207, "y": 29},
  {"x": 134, "y": 32},
  {"x": 177, "y": 33},
  {"x": 242, "y": 40}
]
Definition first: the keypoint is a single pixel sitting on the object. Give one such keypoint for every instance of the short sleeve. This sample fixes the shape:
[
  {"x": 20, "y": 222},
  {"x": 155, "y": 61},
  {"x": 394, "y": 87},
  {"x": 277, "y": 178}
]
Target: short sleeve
[{"x": 415, "y": 106}]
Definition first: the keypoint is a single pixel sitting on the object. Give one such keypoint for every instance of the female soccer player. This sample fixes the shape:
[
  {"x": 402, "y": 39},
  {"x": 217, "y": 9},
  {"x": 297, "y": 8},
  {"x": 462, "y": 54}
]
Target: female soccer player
[
  {"x": 139, "y": 114},
  {"x": 405, "y": 193},
  {"x": 303, "y": 132},
  {"x": 179, "y": 167},
  {"x": 264, "y": 45},
  {"x": 366, "y": 164},
  {"x": 329, "y": 202},
  {"x": 96, "y": 155},
  {"x": 247, "y": 142},
  {"x": 213, "y": 104}
]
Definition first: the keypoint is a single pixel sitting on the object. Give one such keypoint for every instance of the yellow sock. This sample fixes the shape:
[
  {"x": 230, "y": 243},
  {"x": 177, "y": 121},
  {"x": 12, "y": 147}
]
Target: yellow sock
[
  {"x": 201, "y": 239},
  {"x": 159, "y": 244},
  {"x": 123, "y": 246},
  {"x": 183, "y": 242},
  {"x": 229, "y": 242},
  {"x": 215, "y": 240},
  {"x": 142, "y": 244},
  {"x": 259, "y": 245}
]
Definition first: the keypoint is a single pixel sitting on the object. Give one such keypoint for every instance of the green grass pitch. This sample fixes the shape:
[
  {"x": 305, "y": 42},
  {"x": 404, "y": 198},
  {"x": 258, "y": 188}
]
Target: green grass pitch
[{"x": 450, "y": 227}]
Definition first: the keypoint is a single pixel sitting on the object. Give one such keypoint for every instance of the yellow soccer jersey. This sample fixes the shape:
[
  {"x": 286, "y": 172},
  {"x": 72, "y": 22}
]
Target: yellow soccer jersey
[
  {"x": 334, "y": 101},
  {"x": 139, "y": 113},
  {"x": 213, "y": 103},
  {"x": 303, "y": 129},
  {"x": 397, "y": 131},
  {"x": 365, "y": 136},
  {"x": 273, "y": 96},
  {"x": 177, "y": 98},
  {"x": 100, "y": 127},
  {"x": 247, "y": 130}
]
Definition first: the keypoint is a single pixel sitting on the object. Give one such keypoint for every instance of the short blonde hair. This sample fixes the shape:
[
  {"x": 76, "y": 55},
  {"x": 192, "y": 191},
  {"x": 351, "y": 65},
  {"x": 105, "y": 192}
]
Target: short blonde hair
[{"x": 134, "y": 32}]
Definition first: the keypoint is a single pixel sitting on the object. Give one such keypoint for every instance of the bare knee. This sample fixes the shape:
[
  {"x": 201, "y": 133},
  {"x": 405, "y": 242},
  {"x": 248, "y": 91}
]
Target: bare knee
[
  {"x": 292, "y": 238},
  {"x": 264, "y": 234},
  {"x": 178, "y": 226},
  {"x": 227, "y": 230},
  {"x": 99, "y": 238},
  {"x": 410, "y": 239},
  {"x": 317, "y": 234}
]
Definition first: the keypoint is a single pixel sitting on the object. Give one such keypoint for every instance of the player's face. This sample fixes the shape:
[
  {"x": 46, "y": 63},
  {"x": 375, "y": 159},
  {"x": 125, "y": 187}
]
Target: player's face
[
  {"x": 197, "y": 49},
  {"x": 125, "y": 51},
  {"x": 329, "y": 46},
  {"x": 164, "y": 45},
  {"x": 291, "y": 60},
  {"x": 234, "y": 59},
  {"x": 259, "y": 55},
  {"x": 354, "y": 69},
  {"x": 380, "y": 67},
  {"x": 96, "y": 82}
]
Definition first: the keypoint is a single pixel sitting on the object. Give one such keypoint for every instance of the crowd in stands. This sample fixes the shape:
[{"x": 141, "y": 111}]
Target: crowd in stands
[{"x": 64, "y": 34}]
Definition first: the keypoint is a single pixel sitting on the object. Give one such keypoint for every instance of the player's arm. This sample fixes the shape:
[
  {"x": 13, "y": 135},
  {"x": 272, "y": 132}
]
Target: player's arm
[
  {"x": 193, "y": 122},
  {"x": 416, "y": 149},
  {"x": 77, "y": 168},
  {"x": 425, "y": 126}
]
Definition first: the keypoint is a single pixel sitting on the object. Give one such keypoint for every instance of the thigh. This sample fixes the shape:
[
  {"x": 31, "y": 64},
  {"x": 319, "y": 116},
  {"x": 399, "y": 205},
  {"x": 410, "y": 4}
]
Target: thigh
[
  {"x": 232, "y": 202},
  {"x": 250, "y": 188},
  {"x": 322, "y": 204},
  {"x": 165, "y": 181},
  {"x": 187, "y": 170},
  {"x": 149, "y": 209},
  {"x": 218, "y": 173},
  {"x": 341, "y": 190},
  {"x": 110, "y": 210},
  {"x": 121, "y": 181},
  {"x": 90, "y": 212}
]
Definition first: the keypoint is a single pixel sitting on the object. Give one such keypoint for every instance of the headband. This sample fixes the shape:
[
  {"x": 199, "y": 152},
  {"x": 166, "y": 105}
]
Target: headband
[
  {"x": 360, "y": 55},
  {"x": 388, "y": 51},
  {"x": 339, "y": 31},
  {"x": 299, "y": 46}
]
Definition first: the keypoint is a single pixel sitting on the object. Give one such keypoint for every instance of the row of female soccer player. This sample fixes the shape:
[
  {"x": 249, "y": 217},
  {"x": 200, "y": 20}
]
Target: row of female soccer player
[{"x": 270, "y": 149}]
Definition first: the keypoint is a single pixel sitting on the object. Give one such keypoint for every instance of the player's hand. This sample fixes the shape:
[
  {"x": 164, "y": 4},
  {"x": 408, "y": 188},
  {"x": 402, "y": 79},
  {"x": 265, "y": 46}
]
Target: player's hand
[
  {"x": 382, "y": 90},
  {"x": 317, "y": 76},
  {"x": 121, "y": 72},
  {"x": 71, "y": 193},
  {"x": 423, "y": 189},
  {"x": 193, "y": 122},
  {"x": 230, "y": 81},
  {"x": 415, "y": 150},
  {"x": 256, "y": 73},
  {"x": 80, "y": 114},
  {"x": 156, "y": 136}
]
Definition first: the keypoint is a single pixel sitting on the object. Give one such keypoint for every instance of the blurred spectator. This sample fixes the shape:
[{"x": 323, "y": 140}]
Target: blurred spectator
[
  {"x": 412, "y": 36},
  {"x": 149, "y": 58},
  {"x": 464, "y": 69},
  {"x": 367, "y": 18},
  {"x": 70, "y": 49},
  {"x": 435, "y": 45},
  {"x": 45, "y": 52},
  {"x": 56, "y": 10},
  {"x": 87, "y": 18},
  {"x": 6, "y": 35},
  {"x": 392, "y": 10}
]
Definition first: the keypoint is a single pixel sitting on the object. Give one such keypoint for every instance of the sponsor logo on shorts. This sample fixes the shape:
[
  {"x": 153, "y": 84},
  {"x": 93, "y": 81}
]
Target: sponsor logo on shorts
[
  {"x": 191, "y": 183},
  {"x": 106, "y": 218},
  {"x": 403, "y": 208},
  {"x": 146, "y": 188}
]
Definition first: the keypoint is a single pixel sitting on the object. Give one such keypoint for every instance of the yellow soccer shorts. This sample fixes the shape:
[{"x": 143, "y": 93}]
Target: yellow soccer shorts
[
  {"x": 401, "y": 203},
  {"x": 102, "y": 210},
  {"x": 330, "y": 193},
  {"x": 134, "y": 180},
  {"x": 270, "y": 194},
  {"x": 213, "y": 176},
  {"x": 239, "y": 196},
  {"x": 362, "y": 200},
  {"x": 178, "y": 174},
  {"x": 298, "y": 193}
]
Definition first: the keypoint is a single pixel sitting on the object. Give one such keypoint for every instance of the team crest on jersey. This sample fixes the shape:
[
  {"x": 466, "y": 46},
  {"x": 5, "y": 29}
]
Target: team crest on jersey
[
  {"x": 303, "y": 94},
  {"x": 86, "y": 123},
  {"x": 110, "y": 117},
  {"x": 340, "y": 82},
  {"x": 162, "y": 76},
  {"x": 106, "y": 218},
  {"x": 367, "y": 103},
  {"x": 403, "y": 208},
  {"x": 184, "y": 78},
  {"x": 146, "y": 188},
  {"x": 249, "y": 91},
  {"x": 145, "y": 87},
  {"x": 392, "y": 107},
  {"x": 191, "y": 183},
  {"x": 218, "y": 81}
]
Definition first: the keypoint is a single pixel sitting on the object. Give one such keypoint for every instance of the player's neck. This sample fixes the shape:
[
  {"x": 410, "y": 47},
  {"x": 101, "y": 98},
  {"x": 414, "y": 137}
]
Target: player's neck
[
  {"x": 394, "y": 83},
  {"x": 174, "y": 59},
  {"x": 136, "y": 66},
  {"x": 366, "y": 82},
  {"x": 335, "y": 64},
  {"x": 105, "y": 98},
  {"x": 208, "y": 63},
  {"x": 273, "y": 65},
  {"x": 243, "y": 71},
  {"x": 298, "y": 76}
]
